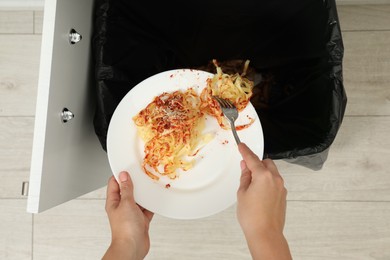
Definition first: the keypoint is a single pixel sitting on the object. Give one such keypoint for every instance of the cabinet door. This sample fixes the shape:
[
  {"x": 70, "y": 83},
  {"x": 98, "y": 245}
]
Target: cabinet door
[{"x": 67, "y": 159}]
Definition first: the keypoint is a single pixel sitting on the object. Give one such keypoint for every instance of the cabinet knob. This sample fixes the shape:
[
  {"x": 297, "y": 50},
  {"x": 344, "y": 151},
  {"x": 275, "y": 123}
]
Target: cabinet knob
[
  {"x": 74, "y": 36},
  {"x": 66, "y": 115}
]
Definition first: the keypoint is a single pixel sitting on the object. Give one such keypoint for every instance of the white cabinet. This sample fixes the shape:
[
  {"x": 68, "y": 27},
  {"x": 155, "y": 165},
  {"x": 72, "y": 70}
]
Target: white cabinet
[{"x": 67, "y": 159}]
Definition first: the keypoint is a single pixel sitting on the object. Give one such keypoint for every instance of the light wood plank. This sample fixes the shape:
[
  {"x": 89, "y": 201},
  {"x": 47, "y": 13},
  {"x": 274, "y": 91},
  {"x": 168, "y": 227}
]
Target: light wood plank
[
  {"x": 78, "y": 229},
  {"x": 21, "y": 4},
  {"x": 214, "y": 237},
  {"x": 315, "y": 230},
  {"x": 11, "y": 183},
  {"x": 15, "y": 230},
  {"x": 362, "y": 2},
  {"x": 16, "y": 22},
  {"x": 16, "y": 142},
  {"x": 367, "y": 72},
  {"x": 38, "y": 22},
  {"x": 364, "y": 17},
  {"x": 357, "y": 169},
  {"x": 19, "y": 67},
  {"x": 338, "y": 230}
]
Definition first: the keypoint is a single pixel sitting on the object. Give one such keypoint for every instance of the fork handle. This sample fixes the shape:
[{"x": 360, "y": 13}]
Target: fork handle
[{"x": 234, "y": 132}]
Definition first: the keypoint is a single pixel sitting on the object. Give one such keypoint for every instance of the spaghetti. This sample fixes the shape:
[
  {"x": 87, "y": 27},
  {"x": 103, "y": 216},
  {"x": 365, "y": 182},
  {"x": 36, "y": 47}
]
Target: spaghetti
[
  {"x": 171, "y": 127},
  {"x": 235, "y": 88}
]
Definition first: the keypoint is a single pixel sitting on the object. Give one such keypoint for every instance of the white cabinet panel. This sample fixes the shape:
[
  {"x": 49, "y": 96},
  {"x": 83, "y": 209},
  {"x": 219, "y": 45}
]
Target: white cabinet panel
[{"x": 67, "y": 159}]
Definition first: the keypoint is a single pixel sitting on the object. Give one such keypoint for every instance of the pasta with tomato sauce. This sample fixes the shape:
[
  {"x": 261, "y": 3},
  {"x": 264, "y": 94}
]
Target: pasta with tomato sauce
[
  {"x": 171, "y": 125},
  {"x": 235, "y": 88}
]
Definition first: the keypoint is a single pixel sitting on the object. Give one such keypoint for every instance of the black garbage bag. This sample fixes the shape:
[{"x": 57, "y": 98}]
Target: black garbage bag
[{"x": 295, "y": 49}]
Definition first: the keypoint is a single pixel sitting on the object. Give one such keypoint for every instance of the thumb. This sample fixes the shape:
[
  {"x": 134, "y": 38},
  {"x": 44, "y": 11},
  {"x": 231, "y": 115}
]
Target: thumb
[{"x": 126, "y": 186}]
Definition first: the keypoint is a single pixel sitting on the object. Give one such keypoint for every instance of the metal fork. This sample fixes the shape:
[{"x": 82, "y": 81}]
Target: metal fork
[{"x": 230, "y": 112}]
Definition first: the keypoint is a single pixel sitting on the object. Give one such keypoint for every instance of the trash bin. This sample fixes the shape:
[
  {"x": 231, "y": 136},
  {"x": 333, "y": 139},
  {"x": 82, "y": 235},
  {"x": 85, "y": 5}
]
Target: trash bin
[{"x": 294, "y": 48}]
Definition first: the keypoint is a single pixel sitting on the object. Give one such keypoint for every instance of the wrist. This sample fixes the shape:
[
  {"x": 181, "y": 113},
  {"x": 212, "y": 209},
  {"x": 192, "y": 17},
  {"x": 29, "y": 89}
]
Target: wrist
[
  {"x": 264, "y": 235},
  {"x": 268, "y": 245},
  {"x": 123, "y": 241},
  {"x": 126, "y": 247},
  {"x": 261, "y": 230},
  {"x": 120, "y": 249}
]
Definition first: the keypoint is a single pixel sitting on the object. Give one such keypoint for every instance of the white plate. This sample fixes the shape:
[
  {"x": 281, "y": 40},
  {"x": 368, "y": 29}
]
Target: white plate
[{"x": 206, "y": 189}]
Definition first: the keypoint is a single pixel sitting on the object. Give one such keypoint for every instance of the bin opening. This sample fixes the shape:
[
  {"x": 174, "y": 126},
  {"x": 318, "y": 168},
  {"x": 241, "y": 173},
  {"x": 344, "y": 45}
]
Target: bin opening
[{"x": 295, "y": 51}]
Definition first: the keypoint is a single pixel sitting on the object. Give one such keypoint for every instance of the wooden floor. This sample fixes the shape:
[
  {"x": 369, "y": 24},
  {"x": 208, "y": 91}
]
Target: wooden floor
[{"x": 341, "y": 212}]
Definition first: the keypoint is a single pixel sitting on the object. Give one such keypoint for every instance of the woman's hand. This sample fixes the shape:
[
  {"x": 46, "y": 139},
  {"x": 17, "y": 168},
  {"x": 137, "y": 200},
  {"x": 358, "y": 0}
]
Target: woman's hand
[
  {"x": 261, "y": 206},
  {"x": 129, "y": 222}
]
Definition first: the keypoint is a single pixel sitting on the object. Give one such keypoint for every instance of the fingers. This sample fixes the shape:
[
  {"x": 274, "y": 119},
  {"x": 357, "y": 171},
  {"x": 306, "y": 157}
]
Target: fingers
[
  {"x": 246, "y": 176},
  {"x": 126, "y": 186},
  {"x": 113, "y": 193},
  {"x": 270, "y": 165},
  {"x": 246, "y": 152},
  {"x": 148, "y": 214},
  {"x": 251, "y": 159},
  {"x": 255, "y": 165}
]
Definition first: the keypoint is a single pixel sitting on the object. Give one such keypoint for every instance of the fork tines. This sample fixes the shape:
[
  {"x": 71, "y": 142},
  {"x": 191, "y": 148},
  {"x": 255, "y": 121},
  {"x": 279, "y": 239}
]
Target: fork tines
[{"x": 224, "y": 102}]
